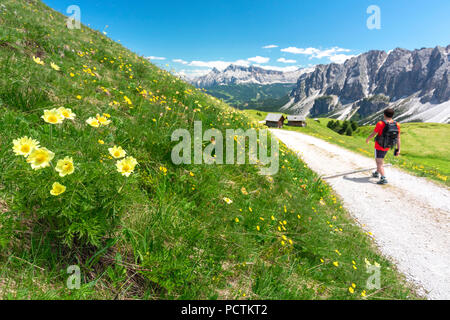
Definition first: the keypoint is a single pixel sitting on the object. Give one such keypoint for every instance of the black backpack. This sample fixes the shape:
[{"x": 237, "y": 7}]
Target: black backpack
[{"x": 389, "y": 136}]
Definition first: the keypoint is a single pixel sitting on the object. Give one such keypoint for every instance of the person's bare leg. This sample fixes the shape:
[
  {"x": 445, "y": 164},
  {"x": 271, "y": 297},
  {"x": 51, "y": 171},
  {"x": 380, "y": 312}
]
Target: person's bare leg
[{"x": 380, "y": 167}]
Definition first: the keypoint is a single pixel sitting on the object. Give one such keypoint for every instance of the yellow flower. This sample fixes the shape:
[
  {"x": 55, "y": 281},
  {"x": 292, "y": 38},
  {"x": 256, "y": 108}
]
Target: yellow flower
[
  {"x": 67, "y": 113},
  {"x": 53, "y": 116},
  {"x": 351, "y": 290},
  {"x": 363, "y": 294},
  {"x": 258, "y": 228},
  {"x": 244, "y": 191},
  {"x": 227, "y": 200},
  {"x": 103, "y": 120},
  {"x": 101, "y": 141},
  {"x": 127, "y": 100},
  {"x": 54, "y": 66},
  {"x": 65, "y": 166},
  {"x": 163, "y": 169},
  {"x": 191, "y": 173},
  {"x": 38, "y": 60},
  {"x": 72, "y": 74},
  {"x": 117, "y": 152},
  {"x": 57, "y": 189},
  {"x": 93, "y": 122},
  {"x": 126, "y": 166},
  {"x": 24, "y": 146},
  {"x": 40, "y": 158},
  {"x": 79, "y": 97},
  {"x": 237, "y": 220},
  {"x": 336, "y": 264}
]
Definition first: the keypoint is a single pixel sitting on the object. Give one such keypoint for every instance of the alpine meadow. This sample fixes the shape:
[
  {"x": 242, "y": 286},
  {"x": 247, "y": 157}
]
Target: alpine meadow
[{"x": 87, "y": 183}]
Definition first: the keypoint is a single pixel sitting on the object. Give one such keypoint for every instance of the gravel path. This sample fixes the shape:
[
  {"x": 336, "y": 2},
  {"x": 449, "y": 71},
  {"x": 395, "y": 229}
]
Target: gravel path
[{"x": 409, "y": 217}]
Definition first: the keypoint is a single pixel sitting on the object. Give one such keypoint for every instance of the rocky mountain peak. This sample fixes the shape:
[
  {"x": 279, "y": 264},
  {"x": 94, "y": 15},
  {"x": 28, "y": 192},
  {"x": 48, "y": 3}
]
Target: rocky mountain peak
[{"x": 403, "y": 78}]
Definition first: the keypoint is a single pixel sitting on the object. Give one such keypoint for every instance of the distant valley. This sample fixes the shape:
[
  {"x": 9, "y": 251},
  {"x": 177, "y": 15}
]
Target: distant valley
[{"x": 251, "y": 87}]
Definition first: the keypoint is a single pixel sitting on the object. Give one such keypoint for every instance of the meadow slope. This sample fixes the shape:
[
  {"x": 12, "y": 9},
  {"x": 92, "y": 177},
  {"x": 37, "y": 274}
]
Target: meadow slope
[{"x": 164, "y": 231}]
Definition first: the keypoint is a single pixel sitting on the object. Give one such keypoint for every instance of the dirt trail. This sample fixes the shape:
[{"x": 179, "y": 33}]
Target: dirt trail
[{"x": 409, "y": 217}]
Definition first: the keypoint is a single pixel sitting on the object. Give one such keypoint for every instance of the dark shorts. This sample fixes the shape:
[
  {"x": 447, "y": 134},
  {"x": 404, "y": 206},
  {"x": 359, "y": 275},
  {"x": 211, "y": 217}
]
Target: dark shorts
[{"x": 380, "y": 154}]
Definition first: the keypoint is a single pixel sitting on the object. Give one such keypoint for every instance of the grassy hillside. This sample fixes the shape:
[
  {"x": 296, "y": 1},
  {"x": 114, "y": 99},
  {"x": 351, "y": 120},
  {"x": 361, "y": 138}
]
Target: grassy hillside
[
  {"x": 253, "y": 96},
  {"x": 425, "y": 146},
  {"x": 164, "y": 231}
]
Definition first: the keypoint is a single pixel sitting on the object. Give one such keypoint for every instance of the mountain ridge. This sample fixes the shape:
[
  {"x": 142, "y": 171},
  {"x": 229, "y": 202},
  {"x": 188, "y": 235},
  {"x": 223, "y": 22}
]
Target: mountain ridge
[
  {"x": 236, "y": 74},
  {"x": 414, "y": 82}
]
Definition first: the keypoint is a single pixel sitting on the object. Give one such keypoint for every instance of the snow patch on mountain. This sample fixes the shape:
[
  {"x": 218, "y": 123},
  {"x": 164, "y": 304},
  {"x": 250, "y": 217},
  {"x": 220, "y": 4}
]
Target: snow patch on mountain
[{"x": 235, "y": 74}]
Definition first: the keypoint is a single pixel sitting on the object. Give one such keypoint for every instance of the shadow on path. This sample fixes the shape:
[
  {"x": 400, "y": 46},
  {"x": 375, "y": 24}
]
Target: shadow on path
[{"x": 360, "y": 180}]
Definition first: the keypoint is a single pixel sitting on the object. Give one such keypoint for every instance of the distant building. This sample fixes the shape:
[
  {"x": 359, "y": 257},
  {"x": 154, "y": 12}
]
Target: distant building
[
  {"x": 275, "y": 120},
  {"x": 296, "y": 121}
]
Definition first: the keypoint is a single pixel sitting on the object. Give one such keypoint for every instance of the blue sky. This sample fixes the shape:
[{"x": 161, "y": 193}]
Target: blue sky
[{"x": 191, "y": 37}]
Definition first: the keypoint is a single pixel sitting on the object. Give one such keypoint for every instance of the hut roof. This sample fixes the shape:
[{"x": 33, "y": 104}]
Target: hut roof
[
  {"x": 296, "y": 118},
  {"x": 274, "y": 117}
]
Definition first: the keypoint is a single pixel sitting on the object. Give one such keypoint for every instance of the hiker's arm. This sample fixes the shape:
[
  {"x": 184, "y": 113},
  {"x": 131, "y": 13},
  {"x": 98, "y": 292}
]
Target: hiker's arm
[
  {"x": 398, "y": 143},
  {"x": 371, "y": 136}
]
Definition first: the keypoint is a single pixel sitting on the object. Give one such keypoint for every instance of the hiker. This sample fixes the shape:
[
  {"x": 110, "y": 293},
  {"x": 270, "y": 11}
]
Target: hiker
[{"x": 387, "y": 136}]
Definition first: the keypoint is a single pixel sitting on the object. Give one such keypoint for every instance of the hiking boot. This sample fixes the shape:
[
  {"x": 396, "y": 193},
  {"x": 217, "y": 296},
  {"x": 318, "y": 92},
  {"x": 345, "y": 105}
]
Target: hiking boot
[
  {"x": 375, "y": 174},
  {"x": 383, "y": 180}
]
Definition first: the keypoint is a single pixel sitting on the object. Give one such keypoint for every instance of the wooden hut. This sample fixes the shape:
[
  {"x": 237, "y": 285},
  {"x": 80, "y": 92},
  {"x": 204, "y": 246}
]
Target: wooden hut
[
  {"x": 296, "y": 121},
  {"x": 275, "y": 120}
]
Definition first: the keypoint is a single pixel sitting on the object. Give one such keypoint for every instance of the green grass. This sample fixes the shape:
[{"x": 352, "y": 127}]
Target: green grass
[
  {"x": 158, "y": 234},
  {"x": 425, "y": 146}
]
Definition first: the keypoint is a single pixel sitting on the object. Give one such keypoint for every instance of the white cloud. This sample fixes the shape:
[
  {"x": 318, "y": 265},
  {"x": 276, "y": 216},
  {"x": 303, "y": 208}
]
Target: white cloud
[
  {"x": 180, "y": 61},
  {"x": 270, "y": 46},
  {"x": 334, "y": 54},
  {"x": 259, "y": 59},
  {"x": 156, "y": 58},
  {"x": 193, "y": 73},
  {"x": 341, "y": 58},
  {"x": 282, "y": 69},
  {"x": 217, "y": 64},
  {"x": 283, "y": 60}
]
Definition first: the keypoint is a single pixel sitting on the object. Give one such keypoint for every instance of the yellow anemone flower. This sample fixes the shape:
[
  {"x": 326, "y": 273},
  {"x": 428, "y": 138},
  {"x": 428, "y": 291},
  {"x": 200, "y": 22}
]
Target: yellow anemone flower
[
  {"x": 93, "y": 122},
  {"x": 67, "y": 113},
  {"x": 24, "y": 146},
  {"x": 53, "y": 116},
  {"x": 126, "y": 166},
  {"x": 65, "y": 166},
  {"x": 103, "y": 120},
  {"x": 227, "y": 200},
  {"x": 57, "y": 189},
  {"x": 117, "y": 152},
  {"x": 40, "y": 158},
  {"x": 38, "y": 60},
  {"x": 54, "y": 66}
]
